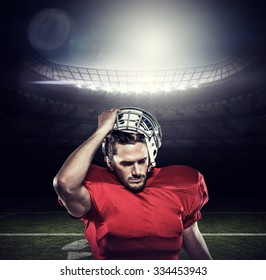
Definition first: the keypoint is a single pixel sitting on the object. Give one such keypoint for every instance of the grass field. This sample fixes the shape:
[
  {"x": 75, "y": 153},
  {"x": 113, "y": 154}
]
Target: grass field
[{"x": 55, "y": 236}]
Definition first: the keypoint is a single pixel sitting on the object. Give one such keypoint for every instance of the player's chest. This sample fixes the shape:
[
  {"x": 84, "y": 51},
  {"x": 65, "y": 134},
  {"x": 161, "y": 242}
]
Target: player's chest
[{"x": 153, "y": 213}]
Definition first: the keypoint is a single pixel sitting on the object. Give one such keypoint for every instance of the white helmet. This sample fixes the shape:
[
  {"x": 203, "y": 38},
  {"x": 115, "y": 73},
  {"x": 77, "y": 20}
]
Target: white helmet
[{"x": 136, "y": 120}]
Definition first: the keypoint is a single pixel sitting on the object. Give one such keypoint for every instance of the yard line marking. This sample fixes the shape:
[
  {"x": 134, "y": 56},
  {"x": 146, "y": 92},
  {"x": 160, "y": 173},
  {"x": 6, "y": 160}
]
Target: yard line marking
[
  {"x": 33, "y": 212},
  {"x": 234, "y": 234},
  {"x": 41, "y": 234},
  {"x": 81, "y": 234},
  {"x": 232, "y": 212}
]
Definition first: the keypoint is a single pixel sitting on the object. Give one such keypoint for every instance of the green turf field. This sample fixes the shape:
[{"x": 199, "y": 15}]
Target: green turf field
[{"x": 55, "y": 236}]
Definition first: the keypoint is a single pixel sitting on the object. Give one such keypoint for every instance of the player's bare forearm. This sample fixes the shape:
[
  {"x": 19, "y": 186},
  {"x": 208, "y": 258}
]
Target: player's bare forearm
[
  {"x": 74, "y": 170},
  {"x": 194, "y": 244}
]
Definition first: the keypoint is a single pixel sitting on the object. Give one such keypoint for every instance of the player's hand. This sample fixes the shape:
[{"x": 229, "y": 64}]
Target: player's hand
[{"x": 107, "y": 119}]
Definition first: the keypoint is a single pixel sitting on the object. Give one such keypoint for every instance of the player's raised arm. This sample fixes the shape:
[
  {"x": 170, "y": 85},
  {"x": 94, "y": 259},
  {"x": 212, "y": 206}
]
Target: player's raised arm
[{"x": 68, "y": 181}]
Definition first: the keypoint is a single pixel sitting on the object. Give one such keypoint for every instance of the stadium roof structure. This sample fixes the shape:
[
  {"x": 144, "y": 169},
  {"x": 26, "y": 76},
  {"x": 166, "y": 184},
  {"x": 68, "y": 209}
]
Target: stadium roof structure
[{"x": 157, "y": 80}]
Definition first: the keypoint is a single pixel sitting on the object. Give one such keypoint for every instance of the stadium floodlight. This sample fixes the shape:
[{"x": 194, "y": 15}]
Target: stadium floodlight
[{"x": 134, "y": 46}]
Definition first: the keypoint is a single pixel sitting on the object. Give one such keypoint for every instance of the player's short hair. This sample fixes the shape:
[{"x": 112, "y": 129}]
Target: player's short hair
[{"x": 123, "y": 138}]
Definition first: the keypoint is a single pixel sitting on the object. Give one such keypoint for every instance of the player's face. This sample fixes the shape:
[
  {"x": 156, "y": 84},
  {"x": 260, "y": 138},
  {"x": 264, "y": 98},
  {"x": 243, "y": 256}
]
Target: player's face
[{"x": 130, "y": 165}]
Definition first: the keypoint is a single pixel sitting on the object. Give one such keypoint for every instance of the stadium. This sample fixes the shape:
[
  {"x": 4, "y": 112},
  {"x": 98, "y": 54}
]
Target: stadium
[{"x": 202, "y": 75}]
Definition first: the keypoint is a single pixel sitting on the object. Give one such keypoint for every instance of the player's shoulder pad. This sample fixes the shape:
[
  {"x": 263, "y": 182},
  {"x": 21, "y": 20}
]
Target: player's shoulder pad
[{"x": 182, "y": 173}]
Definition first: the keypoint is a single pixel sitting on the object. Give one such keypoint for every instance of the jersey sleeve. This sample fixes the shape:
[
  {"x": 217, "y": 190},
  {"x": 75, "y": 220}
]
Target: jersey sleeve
[
  {"x": 94, "y": 174},
  {"x": 200, "y": 198}
]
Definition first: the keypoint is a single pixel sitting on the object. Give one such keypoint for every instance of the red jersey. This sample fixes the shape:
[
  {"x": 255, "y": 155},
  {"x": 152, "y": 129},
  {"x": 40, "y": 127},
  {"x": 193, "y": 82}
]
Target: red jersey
[{"x": 144, "y": 225}]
